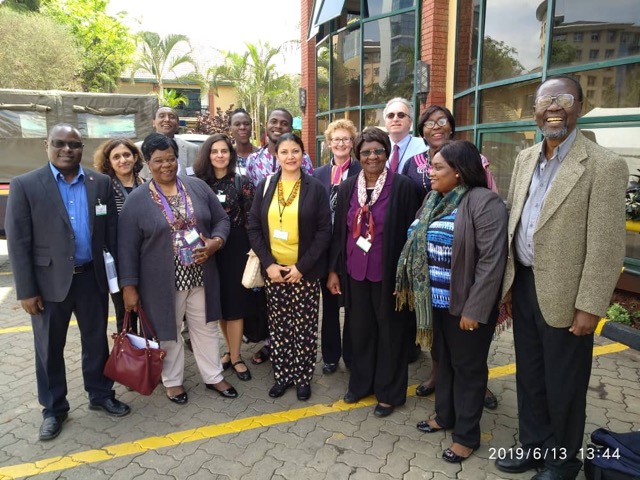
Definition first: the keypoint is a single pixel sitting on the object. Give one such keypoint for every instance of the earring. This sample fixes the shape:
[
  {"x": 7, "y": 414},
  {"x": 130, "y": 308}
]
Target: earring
[{"x": 457, "y": 176}]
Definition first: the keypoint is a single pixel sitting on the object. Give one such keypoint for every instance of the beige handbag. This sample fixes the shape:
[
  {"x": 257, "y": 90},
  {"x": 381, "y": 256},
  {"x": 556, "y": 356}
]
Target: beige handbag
[{"x": 252, "y": 276}]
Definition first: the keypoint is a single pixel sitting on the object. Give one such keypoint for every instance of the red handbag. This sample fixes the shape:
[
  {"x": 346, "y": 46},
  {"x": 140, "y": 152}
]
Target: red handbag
[{"x": 137, "y": 367}]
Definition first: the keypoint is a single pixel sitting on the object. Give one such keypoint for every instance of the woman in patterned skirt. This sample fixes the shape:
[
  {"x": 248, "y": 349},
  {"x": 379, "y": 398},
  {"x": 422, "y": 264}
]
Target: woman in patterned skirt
[{"x": 290, "y": 229}]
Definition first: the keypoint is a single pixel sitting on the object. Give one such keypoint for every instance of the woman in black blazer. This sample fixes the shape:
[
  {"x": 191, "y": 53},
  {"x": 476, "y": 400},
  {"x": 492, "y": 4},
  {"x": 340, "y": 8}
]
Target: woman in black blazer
[{"x": 289, "y": 229}]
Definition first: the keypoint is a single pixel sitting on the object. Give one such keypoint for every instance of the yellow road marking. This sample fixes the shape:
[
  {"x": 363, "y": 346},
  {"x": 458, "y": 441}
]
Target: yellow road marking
[
  {"x": 142, "y": 445},
  {"x": 601, "y": 323}
]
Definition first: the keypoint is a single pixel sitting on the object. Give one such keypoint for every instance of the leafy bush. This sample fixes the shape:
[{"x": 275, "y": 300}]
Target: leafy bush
[{"x": 617, "y": 313}]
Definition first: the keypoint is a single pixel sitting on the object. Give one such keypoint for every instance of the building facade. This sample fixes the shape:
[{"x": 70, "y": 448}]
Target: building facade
[{"x": 484, "y": 59}]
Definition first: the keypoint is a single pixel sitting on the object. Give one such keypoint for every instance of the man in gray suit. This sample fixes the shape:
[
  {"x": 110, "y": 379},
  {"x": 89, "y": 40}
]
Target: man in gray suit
[
  {"x": 566, "y": 247},
  {"x": 59, "y": 220}
]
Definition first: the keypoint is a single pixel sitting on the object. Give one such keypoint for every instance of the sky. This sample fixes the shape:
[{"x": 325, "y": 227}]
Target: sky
[{"x": 214, "y": 25}]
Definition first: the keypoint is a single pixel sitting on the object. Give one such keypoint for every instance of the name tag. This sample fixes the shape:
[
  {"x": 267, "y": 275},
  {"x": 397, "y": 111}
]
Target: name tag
[
  {"x": 101, "y": 210},
  {"x": 191, "y": 237},
  {"x": 189, "y": 171},
  {"x": 280, "y": 235},
  {"x": 222, "y": 198},
  {"x": 363, "y": 244}
]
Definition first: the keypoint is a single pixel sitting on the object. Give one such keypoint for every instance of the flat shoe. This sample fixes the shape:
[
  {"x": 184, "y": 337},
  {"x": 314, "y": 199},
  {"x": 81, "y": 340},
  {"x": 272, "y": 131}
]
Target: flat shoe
[
  {"x": 226, "y": 365},
  {"x": 452, "y": 457},
  {"x": 278, "y": 390},
  {"x": 244, "y": 376},
  {"x": 329, "y": 368},
  {"x": 424, "y": 391},
  {"x": 261, "y": 355},
  {"x": 51, "y": 427},
  {"x": 304, "y": 392},
  {"x": 180, "y": 399},
  {"x": 490, "y": 401},
  {"x": 113, "y": 407},
  {"x": 229, "y": 392},
  {"x": 425, "y": 427},
  {"x": 351, "y": 397},
  {"x": 381, "y": 411}
]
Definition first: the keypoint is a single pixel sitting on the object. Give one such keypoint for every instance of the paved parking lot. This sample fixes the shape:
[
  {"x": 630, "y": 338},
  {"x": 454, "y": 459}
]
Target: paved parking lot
[{"x": 256, "y": 437}]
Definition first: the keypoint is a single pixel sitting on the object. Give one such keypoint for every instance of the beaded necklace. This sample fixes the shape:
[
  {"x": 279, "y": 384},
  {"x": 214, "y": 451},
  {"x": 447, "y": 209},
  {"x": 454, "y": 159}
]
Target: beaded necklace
[{"x": 292, "y": 195}]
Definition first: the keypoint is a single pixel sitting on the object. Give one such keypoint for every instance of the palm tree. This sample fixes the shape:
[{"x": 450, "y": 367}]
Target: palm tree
[
  {"x": 158, "y": 56},
  {"x": 173, "y": 99}
]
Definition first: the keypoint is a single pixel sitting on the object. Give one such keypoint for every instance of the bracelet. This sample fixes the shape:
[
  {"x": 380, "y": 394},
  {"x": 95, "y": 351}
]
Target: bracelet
[{"x": 220, "y": 242}]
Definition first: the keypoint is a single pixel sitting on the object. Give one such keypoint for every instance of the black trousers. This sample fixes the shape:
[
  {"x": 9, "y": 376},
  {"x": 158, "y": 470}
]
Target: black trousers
[
  {"x": 333, "y": 347},
  {"x": 90, "y": 307},
  {"x": 552, "y": 377},
  {"x": 462, "y": 375},
  {"x": 379, "y": 362}
]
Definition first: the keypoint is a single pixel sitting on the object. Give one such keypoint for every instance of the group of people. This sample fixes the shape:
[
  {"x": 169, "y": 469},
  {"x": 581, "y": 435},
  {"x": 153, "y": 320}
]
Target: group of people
[{"x": 407, "y": 234}]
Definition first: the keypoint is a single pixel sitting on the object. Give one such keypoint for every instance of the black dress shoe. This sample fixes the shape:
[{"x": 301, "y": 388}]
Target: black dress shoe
[
  {"x": 351, "y": 397},
  {"x": 278, "y": 390},
  {"x": 244, "y": 376},
  {"x": 226, "y": 365},
  {"x": 229, "y": 392},
  {"x": 180, "y": 399},
  {"x": 452, "y": 457},
  {"x": 304, "y": 392},
  {"x": 547, "y": 474},
  {"x": 112, "y": 406},
  {"x": 424, "y": 391},
  {"x": 382, "y": 411},
  {"x": 424, "y": 427},
  {"x": 51, "y": 427},
  {"x": 490, "y": 400},
  {"x": 330, "y": 368},
  {"x": 519, "y": 465}
]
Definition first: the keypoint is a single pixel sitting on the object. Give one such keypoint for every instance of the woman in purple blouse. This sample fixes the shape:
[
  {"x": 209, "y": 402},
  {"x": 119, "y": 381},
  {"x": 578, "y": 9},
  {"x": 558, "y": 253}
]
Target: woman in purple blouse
[{"x": 373, "y": 212}]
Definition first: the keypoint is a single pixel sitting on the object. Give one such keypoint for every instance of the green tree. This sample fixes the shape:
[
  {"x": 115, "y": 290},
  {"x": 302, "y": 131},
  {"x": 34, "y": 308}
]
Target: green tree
[
  {"x": 39, "y": 54},
  {"x": 173, "y": 99},
  {"x": 106, "y": 43},
  {"x": 160, "y": 56},
  {"x": 499, "y": 61},
  {"x": 22, "y": 5}
]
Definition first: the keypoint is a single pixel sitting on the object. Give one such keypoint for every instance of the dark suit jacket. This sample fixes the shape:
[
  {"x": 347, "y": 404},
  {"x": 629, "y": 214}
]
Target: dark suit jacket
[
  {"x": 40, "y": 238},
  {"x": 314, "y": 226},
  {"x": 324, "y": 173}
]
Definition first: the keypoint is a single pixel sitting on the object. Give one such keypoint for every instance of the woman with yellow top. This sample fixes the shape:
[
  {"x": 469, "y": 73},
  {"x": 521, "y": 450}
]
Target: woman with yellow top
[{"x": 289, "y": 228}]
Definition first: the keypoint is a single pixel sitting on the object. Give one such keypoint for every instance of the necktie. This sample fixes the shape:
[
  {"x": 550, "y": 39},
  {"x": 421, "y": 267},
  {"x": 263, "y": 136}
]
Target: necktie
[{"x": 395, "y": 158}]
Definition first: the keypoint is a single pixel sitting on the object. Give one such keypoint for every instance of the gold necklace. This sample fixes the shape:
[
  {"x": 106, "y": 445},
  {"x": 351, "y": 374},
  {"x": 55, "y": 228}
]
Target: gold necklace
[{"x": 292, "y": 195}]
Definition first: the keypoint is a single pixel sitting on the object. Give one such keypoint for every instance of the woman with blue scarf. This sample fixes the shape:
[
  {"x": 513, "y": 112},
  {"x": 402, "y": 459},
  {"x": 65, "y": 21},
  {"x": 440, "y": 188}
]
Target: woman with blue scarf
[{"x": 450, "y": 272}]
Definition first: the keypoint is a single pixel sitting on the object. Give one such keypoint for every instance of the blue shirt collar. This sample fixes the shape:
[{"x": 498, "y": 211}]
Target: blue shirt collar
[
  {"x": 57, "y": 175},
  {"x": 561, "y": 150}
]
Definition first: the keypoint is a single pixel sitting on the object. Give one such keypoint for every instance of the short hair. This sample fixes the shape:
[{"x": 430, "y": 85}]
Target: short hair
[
  {"x": 236, "y": 111},
  {"x": 570, "y": 78},
  {"x": 404, "y": 101},
  {"x": 430, "y": 111},
  {"x": 64, "y": 125},
  {"x": 203, "y": 168},
  {"x": 166, "y": 107},
  {"x": 464, "y": 157},
  {"x": 283, "y": 110},
  {"x": 291, "y": 137},
  {"x": 101, "y": 156},
  {"x": 157, "y": 141},
  {"x": 341, "y": 124},
  {"x": 372, "y": 134}
]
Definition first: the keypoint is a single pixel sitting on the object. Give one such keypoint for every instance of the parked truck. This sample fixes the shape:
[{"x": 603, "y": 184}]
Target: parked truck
[{"x": 27, "y": 115}]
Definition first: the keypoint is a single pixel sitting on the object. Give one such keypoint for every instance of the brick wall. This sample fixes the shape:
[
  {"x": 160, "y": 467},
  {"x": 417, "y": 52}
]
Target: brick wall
[
  {"x": 434, "y": 26},
  {"x": 308, "y": 80}
]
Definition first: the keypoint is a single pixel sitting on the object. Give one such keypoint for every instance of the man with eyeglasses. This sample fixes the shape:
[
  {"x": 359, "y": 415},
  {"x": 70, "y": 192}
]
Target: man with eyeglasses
[
  {"x": 566, "y": 247},
  {"x": 398, "y": 122},
  {"x": 59, "y": 220}
]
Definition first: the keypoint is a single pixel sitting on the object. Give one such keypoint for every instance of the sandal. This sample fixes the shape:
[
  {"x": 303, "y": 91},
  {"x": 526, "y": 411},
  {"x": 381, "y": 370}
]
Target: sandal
[
  {"x": 261, "y": 355},
  {"x": 226, "y": 365},
  {"x": 244, "y": 376}
]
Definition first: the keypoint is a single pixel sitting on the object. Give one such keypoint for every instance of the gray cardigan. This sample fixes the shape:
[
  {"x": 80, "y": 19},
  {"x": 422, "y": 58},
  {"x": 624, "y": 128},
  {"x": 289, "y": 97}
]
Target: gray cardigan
[
  {"x": 479, "y": 254},
  {"x": 146, "y": 259}
]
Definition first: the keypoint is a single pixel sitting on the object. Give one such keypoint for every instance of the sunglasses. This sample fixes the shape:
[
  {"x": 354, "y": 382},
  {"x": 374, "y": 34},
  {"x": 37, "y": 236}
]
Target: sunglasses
[
  {"x": 400, "y": 115},
  {"x": 62, "y": 144},
  {"x": 377, "y": 152},
  {"x": 441, "y": 122},
  {"x": 564, "y": 100}
]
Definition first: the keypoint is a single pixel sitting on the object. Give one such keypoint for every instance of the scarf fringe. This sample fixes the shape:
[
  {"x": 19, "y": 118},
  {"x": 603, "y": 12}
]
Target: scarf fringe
[
  {"x": 424, "y": 338},
  {"x": 405, "y": 298}
]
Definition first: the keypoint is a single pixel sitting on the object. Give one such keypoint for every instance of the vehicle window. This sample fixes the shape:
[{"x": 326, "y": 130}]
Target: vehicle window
[{"x": 20, "y": 124}]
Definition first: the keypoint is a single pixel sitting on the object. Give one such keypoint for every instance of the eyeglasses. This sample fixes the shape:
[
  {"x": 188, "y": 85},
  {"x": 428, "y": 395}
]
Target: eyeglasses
[
  {"x": 564, "y": 100},
  {"x": 441, "y": 122},
  {"x": 338, "y": 141},
  {"x": 400, "y": 115},
  {"x": 377, "y": 152},
  {"x": 62, "y": 144}
]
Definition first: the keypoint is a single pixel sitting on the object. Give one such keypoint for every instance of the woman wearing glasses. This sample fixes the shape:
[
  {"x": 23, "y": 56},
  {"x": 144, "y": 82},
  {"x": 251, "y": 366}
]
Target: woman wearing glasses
[
  {"x": 374, "y": 211},
  {"x": 339, "y": 136}
]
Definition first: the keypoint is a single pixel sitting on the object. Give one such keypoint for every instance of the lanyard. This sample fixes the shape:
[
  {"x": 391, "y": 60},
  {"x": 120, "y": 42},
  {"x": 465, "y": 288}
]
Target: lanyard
[{"x": 165, "y": 203}]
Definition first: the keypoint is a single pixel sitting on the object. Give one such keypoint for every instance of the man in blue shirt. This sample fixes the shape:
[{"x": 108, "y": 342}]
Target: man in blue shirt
[{"x": 59, "y": 220}]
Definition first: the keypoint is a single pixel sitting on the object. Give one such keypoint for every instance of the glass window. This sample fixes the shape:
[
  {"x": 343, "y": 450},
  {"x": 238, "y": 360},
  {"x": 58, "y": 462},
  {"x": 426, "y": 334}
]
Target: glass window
[
  {"x": 330, "y": 9},
  {"x": 22, "y": 124},
  {"x": 379, "y": 7},
  {"x": 390, "y": 45},
  {"x": 372, "y": 117},
  {"x": 323, "y": 122},
  {"x": 464, "y": 110},
  {"x": 464, "y": 135},
  {"x": 353, "y": 115},
  {"x": 578, "y": 55},
  {"x": 112, "y": 126},
  {"x": 322, "y": 76},
  {"x": 501, "y": 149},
  {"x": 345, "y": 69},
  {"x": 620, "y": 20},
  {"x": 620, "y": 91},
  {"x": 512, "y": 48},
  {"x": 508, "y": 103},
  {"x": 591, "y": 80},
  {"x": 467, "y": 44}
]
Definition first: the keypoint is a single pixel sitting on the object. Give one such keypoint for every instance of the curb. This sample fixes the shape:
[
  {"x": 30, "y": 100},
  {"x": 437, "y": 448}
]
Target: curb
[{"x": 621, "y": 333}]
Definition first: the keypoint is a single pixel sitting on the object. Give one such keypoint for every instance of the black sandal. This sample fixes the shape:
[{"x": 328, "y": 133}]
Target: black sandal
[
  {"x": 244, "y": 376},
  {"x": 261, "y": 355}
]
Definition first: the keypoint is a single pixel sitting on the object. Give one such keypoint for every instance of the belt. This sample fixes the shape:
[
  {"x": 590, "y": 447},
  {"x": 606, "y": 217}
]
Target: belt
[{"x": 87, "y": 267}]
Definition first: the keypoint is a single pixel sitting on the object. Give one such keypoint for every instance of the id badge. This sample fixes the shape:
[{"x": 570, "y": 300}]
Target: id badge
[
  {"x": 101, "y": 210},
  {"x": 191, "y": 237},
  {"x": 189, "y": 171},
  {"x": 363, "y": 244},
  {"x": 222, "y": 197},
  {"x": 280, "y": 234}
]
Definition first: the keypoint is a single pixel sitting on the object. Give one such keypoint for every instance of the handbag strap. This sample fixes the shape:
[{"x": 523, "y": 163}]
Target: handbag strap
[
  {"x": 266, "y": 185},
  {"x": 145, "y": 324}
]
